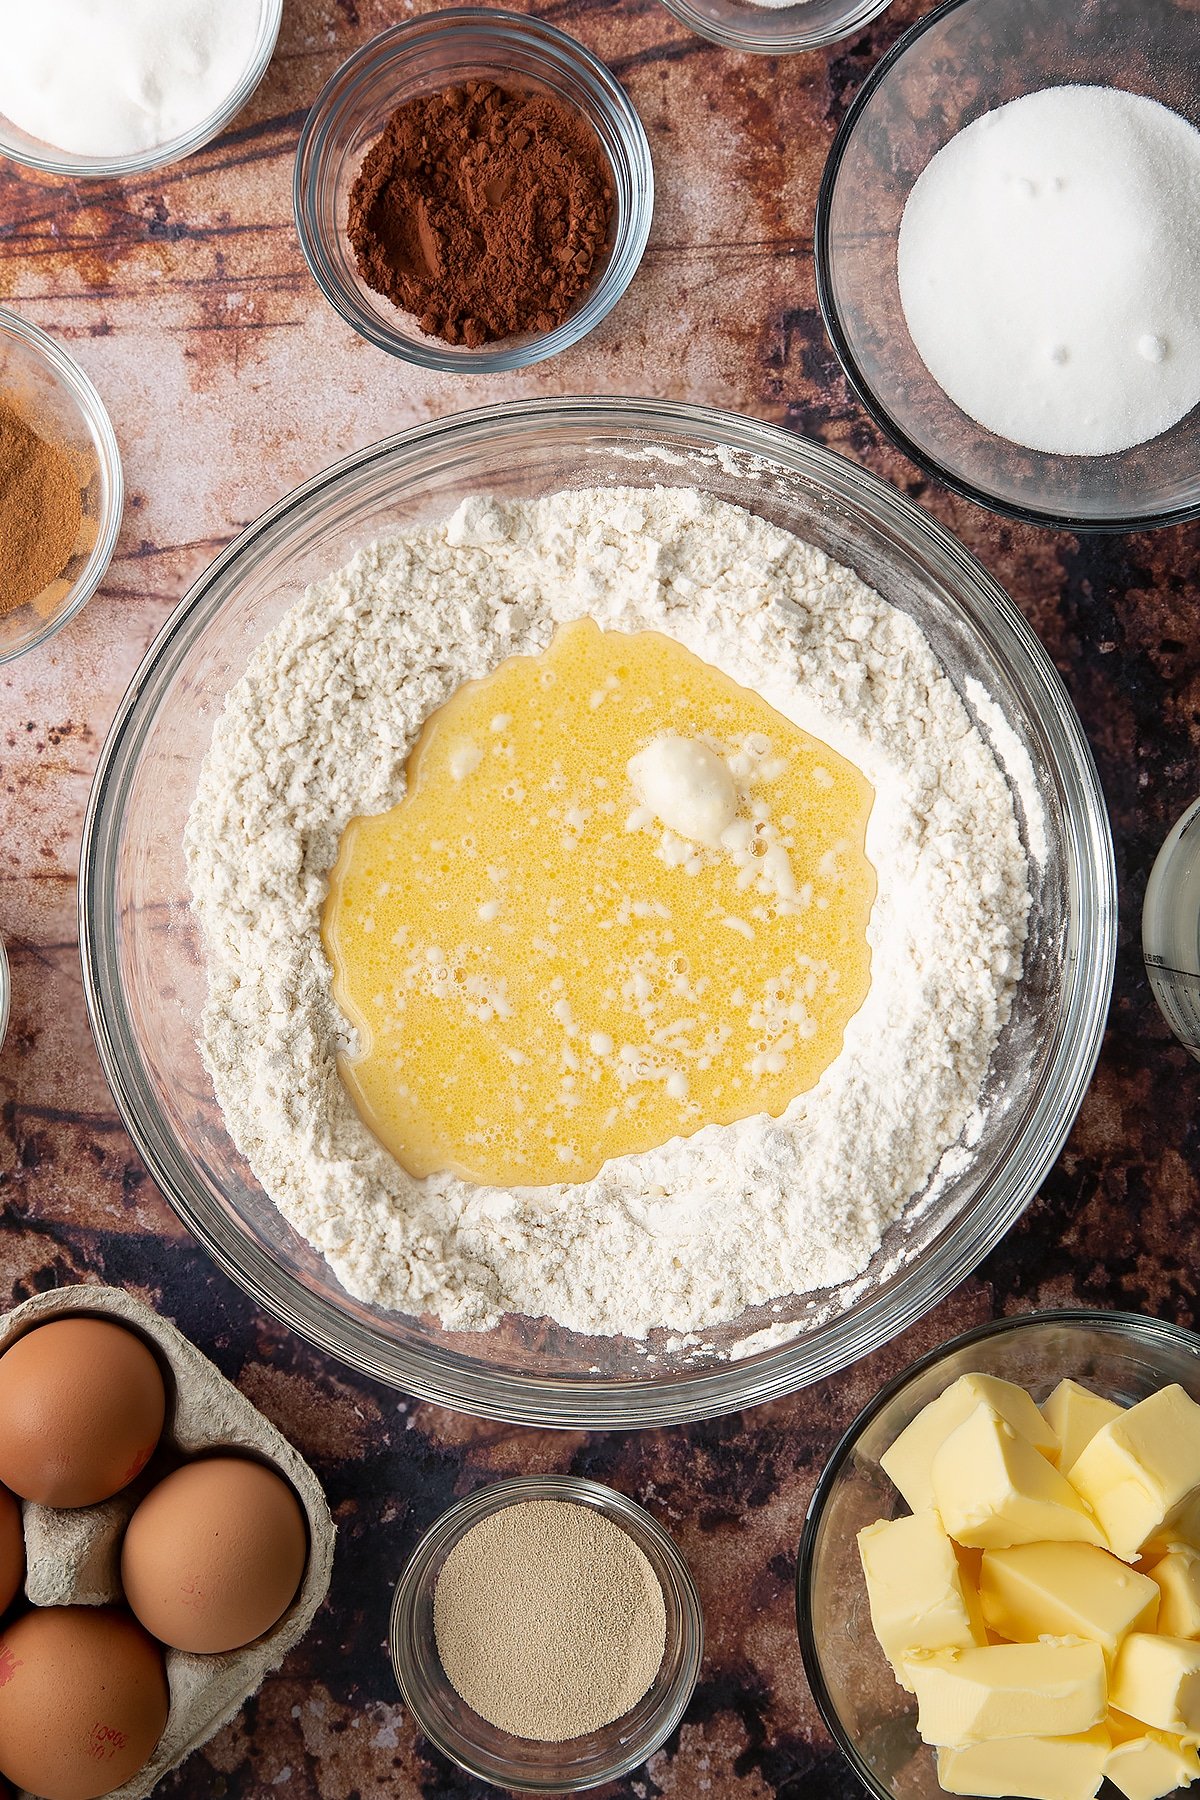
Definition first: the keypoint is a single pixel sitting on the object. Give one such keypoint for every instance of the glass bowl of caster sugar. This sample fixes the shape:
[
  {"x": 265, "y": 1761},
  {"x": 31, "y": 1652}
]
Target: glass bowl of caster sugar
[
  {"x": 1008, "y": 253},
  {"x": 546, "y": 1634},
  {"x": 107, "y": 88}
]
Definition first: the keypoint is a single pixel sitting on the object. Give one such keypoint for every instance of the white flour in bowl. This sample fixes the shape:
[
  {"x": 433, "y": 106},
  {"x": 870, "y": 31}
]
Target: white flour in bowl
[{"x": 691, "y": 1234}]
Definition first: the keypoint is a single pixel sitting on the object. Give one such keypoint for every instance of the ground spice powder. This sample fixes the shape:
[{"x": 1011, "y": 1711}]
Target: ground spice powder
[
  {"x": 41, "y": 511},
  {"x": 549, "y": 1620},
  {"x": 482, "y": 212}
]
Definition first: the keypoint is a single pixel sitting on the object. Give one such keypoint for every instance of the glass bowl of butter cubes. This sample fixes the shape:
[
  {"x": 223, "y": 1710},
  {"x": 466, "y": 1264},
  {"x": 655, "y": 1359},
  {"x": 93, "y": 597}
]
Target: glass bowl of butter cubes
[{"x": 998, "y": 1588}]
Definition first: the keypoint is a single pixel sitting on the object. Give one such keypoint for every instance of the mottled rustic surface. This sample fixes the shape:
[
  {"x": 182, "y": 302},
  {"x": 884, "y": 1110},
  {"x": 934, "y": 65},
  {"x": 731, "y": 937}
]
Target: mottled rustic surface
[{"x": 185, "y": 297}]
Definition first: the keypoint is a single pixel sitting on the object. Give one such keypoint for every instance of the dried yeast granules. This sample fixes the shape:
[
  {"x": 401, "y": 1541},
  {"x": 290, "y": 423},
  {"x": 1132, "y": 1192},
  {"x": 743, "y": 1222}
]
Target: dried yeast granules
[
  {"x": 481, "y": 211},
  {"x": 549, "y": 1620}
]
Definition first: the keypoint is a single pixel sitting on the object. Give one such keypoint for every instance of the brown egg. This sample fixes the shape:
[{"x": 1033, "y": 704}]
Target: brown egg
[
  {"x": 214, "y": 1554},
  {"x": 12, "y": 1551},
  {"x": 83, "y": 1700},
  {"x": 82, "y": 1405}
]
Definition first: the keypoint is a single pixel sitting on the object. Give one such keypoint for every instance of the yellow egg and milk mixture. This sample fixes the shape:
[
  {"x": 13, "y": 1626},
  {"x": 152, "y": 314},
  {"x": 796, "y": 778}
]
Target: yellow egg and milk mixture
[{"x": 622, "y": 898}]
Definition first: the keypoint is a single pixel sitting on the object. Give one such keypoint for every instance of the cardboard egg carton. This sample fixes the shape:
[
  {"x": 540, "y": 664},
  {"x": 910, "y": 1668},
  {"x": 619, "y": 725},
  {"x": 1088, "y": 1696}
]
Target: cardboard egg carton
[{"x": 73, "y": 1557}]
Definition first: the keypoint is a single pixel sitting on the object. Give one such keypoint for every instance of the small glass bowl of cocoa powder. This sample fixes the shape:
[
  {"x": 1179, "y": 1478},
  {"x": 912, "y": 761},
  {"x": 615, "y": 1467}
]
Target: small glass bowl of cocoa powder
[
  {"x": 549, "y": 98},
  {"x": 61, "y": 488},
  {"x": 535, "y": 1765}
]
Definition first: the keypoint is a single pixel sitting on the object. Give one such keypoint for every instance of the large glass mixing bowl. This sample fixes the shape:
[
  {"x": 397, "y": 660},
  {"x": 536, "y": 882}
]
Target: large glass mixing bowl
[{"x": 144, "y": 961}]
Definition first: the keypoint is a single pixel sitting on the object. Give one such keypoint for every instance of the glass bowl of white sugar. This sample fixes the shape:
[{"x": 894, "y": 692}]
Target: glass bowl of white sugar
[
  {"x": 776, "y": 27},
  {"x": 150, "y": 964},
  {"x": 1008, "y": 252},
  {"x": 104, "y": 89}
]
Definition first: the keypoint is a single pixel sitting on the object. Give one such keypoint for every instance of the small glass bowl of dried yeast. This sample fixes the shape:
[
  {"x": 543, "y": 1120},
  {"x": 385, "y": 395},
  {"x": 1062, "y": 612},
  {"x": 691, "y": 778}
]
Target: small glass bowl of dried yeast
[
  {"x": 562, "y": 1610},
  {"x": 61, "y": 511}
]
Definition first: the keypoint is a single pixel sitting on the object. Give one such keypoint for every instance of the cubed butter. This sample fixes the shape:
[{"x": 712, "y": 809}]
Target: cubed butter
[
  {"x": 909, "y": 1461},
  {"x": 1065, "y": 1590},
  {"x": 1075, "y": 1415},
  {"x": 918, "y": 1595},
  {"x": 1007, "y": 1690},
  {"x": 1034, "y": 1768},
  {"x": 1157, "y": 1680},
  {"x": 970, "y": 1561},
  {"x": 1146, "y": 1764},
  {"x": 1139, "y": 1472},
  {"x": 993, "y": 1487},
  {"x": 1177, "y": 1578},
  {"x": 1181, "y": 1532}
]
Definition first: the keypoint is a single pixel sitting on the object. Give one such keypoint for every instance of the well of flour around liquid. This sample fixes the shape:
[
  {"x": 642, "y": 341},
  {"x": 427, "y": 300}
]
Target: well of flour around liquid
[
  {"x": 691, "y": 1234},
  {"x": 545, "y": 967}
]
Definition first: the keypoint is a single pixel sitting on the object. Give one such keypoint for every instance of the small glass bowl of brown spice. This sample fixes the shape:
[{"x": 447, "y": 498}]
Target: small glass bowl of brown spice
[
  {"x": 473, "y": 191},
  {"x": 546, "y": 1634},
  {"x": 61, "y": 490}
]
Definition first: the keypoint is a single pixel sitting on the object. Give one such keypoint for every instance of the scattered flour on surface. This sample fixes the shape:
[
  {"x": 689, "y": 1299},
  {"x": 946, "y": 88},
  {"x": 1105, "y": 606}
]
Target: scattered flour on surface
[{"x": 691, "y": 1234}]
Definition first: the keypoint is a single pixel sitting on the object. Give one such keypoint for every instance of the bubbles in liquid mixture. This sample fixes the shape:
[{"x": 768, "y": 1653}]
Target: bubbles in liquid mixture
[{"x": 542, "y": 974}]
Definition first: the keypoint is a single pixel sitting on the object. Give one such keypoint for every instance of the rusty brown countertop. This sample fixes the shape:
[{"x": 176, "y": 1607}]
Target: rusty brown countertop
[{"x": 185, "y": 297}]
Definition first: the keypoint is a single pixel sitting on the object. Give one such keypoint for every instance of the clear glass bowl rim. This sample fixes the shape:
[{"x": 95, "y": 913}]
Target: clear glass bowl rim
[
  {"x": 482, "y": 1503},
  {"x": 1135, "y": 1325},
  {"x": 95, "y": 416},
  {"x": 159, "y": 156},
  {"x": 609, "y": 96},
  {"x": 779, "y": 42},
  {"x": 5, "y": 992},
  {"x": 445, "y": 1378},
  {"x": 862, "y": 389}
]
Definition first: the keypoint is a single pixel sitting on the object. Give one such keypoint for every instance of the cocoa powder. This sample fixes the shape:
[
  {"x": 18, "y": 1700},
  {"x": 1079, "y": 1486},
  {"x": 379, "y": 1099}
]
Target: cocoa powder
[{"x": 482, "y": 211}]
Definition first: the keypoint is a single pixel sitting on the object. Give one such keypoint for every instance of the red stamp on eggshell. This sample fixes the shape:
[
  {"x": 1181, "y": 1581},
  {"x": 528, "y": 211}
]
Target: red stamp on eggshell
[
  {"x": 190, "y": 1592},
  {"x": 104, "y": 1741},
  {"x": 138, "y": 1464}
]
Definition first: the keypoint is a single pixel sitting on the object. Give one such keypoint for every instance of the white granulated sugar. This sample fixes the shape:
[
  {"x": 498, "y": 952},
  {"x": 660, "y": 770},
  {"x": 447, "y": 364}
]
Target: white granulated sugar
[
  {"x": 691, "y": 1234},
  {"x": 109, "y": 78},
  {"x": 1049, "y": 263}
]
